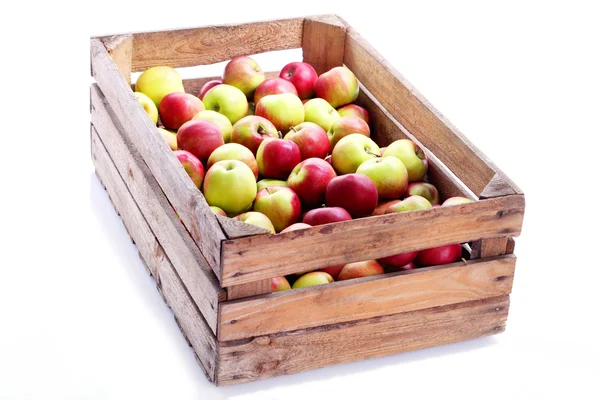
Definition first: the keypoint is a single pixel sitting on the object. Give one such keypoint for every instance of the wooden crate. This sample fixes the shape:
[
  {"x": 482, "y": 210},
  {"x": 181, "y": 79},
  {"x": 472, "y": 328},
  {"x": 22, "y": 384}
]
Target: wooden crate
[{"x": 215, "y": 273}]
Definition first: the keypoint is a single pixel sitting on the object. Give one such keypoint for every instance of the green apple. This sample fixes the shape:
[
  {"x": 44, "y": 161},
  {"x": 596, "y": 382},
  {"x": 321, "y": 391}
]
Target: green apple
[
  {"x": 218, "y": 211},
  {"x": 169, "y": 136},
  {"x": 265, "y": 183},
  {"x": 233, "y": 151},
  {"x": 280, "y": 204},
  {"x": 346, "y": 126},
  {"x": 411, "y": 155},
  {"x": 338, "y": 86},
  {"x": 312, "y": 279},
  {"x": 227, "y": 100},
  {"x": 456, "y": 200},
  {"x": 230, "y": 185},
  {"x": 157, "y": 82},
  {"x": 423, "y": 189},
  {"x": 244, "y": 73},
  {"x": 284, "y": 110},
  {"x": 148, "y": 106},
  {"x": 351, "y": 151},
  {"x": 218, "y": 119},
  {"x": 257, "y": 219},
  {"x": 279, "y": 284},
  {"x": 388, "y": 174},
  {"x": 320, "y": 112},
  {"x": 411, "y": 203}
]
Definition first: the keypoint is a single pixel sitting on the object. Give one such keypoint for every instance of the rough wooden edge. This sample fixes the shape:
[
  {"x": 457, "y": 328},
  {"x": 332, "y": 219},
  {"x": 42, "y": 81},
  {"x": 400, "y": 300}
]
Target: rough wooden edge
[
  {"x": 323, "y": 42},
  {"x": 236, "y": 229},
  {"x": 498, "y": 186},
  {"x": 510, "y": 246},
  {"x": 490, "y": 247},
  {"x": 120, "y": 48}
]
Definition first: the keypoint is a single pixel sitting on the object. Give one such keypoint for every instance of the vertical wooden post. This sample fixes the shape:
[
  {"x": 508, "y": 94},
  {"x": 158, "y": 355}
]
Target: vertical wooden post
[
  {"x": 323, "y": 42},
  {"x": 120, "y": 48}
]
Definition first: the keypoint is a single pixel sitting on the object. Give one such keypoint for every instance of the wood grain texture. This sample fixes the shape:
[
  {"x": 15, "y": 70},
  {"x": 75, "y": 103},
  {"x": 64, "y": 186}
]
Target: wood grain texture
[
  {"x": 188, "y": 316},
  {"x": 120, "y": 48},
  {"x": 499, "y": 185},
  {"x": 164, "y": 166},
  {"x": 490, "y": 247},
  {"x": 213, "y": 44},
  {"x": 323, "y": 42},
  {"x": 249, "y": 289},
  {"x": 180, "y": 248},
  {"x": 265, "y": 256},
  {"x": 510, "y": 246},
  {"x": 288, "y": 353},
  {"x": 366, "y": 298},
  {"x": 236, "y": 229}
]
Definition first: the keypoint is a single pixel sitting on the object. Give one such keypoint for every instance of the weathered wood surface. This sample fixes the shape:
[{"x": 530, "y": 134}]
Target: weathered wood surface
[
  {"x": 287, "y": 353},
  {"x": 236, "y": 229},
  {"x": 323, "y": 42},
  {"x": 499, "y": 185},
  {"x": 120, "y": 48},
  {"x": 366, "y": 298},
  {"x": 510, "y": 246},
  {"x": 491, "y": 247},
  {"x": 249, "y": 289}
]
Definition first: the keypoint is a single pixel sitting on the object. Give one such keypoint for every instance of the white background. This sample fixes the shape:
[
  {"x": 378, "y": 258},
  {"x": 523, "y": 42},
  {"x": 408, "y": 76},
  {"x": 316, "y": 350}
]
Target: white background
[{"x": 80, "y": 317}]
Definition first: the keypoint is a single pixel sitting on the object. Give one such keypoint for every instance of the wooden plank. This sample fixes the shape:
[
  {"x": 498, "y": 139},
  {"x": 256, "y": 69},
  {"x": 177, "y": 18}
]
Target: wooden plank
[
  {"x": 288, "y": 353},
  {"x": 417, "y": 115},
  {"x": 237, "y": 229},
  {"x": 173, "y": 180},
  {"x": 366, "y": 298},
  {"x": 323, "y": 42},
  {"x": 510, "y": 246},
  {"x": 187, "y": 315},
  {"x": 181, "y": 250},
  {"x": 249, "y": 289},
  {"x": 266, "y": 256},
  {"x": 213, "y": 44},
  {"x": 120, "y": 48},
  {"x": 490, "y": 247},
  {"x": 498, "y": 186}
]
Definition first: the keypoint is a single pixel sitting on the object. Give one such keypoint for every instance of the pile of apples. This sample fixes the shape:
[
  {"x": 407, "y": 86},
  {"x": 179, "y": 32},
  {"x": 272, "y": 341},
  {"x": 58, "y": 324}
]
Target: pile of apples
[{"x": 292, "y": 152}]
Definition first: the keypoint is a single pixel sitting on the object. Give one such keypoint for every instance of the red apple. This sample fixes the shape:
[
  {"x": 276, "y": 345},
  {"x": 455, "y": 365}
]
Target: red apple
[
  {"x": 200, "y": 138},
  {"x": 280, "y": 204},
  {"x": 311, "y": 139},
  {"x": 296, "y": 227},
  {"x": 382, "y": 206},
  {"x": 192, "y": 166},
  {"x": 312, "y": 279},
  {"x": 333, "y": 270},
  {"x": 207, "y": 86},
  {"x": 277, "y": 158},
  {"x": 309, "y": 180},
  {"x": 273, "y": 86},
  {"x": 456, "y": 200},
  {"x": 244, "y": 73},
  {"x": 355, "y": 193},
  {"x": 338, "y": 86},
  {"x": 398, "y": 260},
  {"x": 279, "y": 283},
  {"x": 360, "y": 269},
  {"x": 176, "y": 109},
  {"x": 411, "y": 155},
  {"x": 346, "y": 126},
  {"x": 233, "y": 151},
  {"x": 284, "y": 110},
  {"x": 303, "y": 76},
  {"x": 407, "y": 267},
  {"x": 423, "y": 189},
  {"x": 251, "y": 130},
  {"x": 326, "y": 215},
  {"x": 355, "y": 111},
  {"x": 439, "y": 255}
]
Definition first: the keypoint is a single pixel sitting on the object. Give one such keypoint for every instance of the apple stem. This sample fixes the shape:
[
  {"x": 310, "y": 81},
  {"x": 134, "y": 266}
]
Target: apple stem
[
  {"x": 261, "y": 130},
  {"x": 280, "y": 134},
  {"x": 368, "y": 151}
]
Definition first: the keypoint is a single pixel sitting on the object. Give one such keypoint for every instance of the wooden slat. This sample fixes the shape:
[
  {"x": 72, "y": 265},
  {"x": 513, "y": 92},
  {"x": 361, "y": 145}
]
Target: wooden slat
[
  {"x": 265, "y": 256},
  {"x": 173, "y": 180},
  {"x": 323, "y": 42},
  {"x": 184, "y": 254},
  {"x": 499, "y": 185},
  {"x": 510, "y": 246},
  {"x": 213, "y": 44},
  {"x": 366, "y": 298},
  {"x": 120, "y": 48},
  {"x": 249, "y": 289},
  {"x": 490, "y": 247},
  {"x": 188, "y": 316},
  {"x": 287, "y": 353},
  {"x": 237, "y": 229}
]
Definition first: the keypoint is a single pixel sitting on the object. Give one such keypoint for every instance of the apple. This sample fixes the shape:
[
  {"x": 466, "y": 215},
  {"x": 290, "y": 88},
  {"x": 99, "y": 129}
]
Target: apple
[
  {"x": 303, "y": 76},
  {"x": 346, "y": 126},
  {"x": 326, "y": 215},
  {"x": 333, "y": 270},
  {"x": 251, "y": 130},
  {"x": 283, "y": 110},
  {"x": 311, "y": 139},
  {"x": 388, "y": 174},
  {"x": 280, "y": 204},
  {"x": 257, "y": 219},
  {"x": 398, "y": 260},
  {"x": 279, "y": 284},
  {"x": 264, "y": 183},
  {"x": 251, "y": 109},
  {"x": 148, "y": 106},
  {"x": 411, "y": 203},
  {"x": 351, "y": 151},
  {"x": 338, "y": 86},
  {"x": 355, "y": 111},
  {"x": 439, "y": 255},
  {"x": 192, "y": 166},
  {"x": 227, "y": 100},
  {"x": 423, "y": 189},
  {"x": 277, "y": 158},
  {"x": 273, "y": 86},
  {"x": 321, "y": 113},
  {"x": 200, "y": 138},
  {"x": 407, "y": 267},
  {"x": 244, "y": 73},
  {"x": 233, "y": 151},
  {"x": 355, "y": 193},
  {"x": 383, "y": 206},
  {"x": 312, "y": 279},
  {"x": 218, "y": 211},
  {"x": 360, "y": 269},
  {"x": 456, "y": 200},
  {"x": 178, "y": 108},
  {"x": 170, "y": 137},
  {"x": 157, "y": 82},
  {"x": 207, "y": 86},
  {"x": 328, "y": 159},
  {"x": 309, "y": 180},
  {"x": 411, "y": 156},
  {"x": 382, "y": 150},
  {"x": 230, "y": 185},
  {"x": 296, "y": 227},
  {"x": 218, "y": 119}
]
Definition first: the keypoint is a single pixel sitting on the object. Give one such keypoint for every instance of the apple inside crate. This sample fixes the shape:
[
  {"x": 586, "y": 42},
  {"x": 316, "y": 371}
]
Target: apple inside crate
[{"x": 380, "y": 265}]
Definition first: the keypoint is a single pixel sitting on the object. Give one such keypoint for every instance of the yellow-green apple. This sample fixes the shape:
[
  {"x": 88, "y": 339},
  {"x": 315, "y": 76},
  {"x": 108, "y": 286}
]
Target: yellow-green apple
[
  {"x": 200, "y": 138},
  {"x": 321, "y": 113},
  {"x": 360, "y": 270},
  {"x": 354, "y": 110},
  {"x": 218, "y": 211},
  {"x": 191, "y": 165},
  {"x": 411, "y": 155},
  {"x": 338, "y": 86},
  {"x": 279, "y": 284},
  {"x": 333, "y": 270},
  {"x": 406, "y": 267},
  {"x": 230, "y": 185},
  {"x": 346, "y": 126},
  {"x": 250, "y": 131},
  {"x": 423, "y": 189},
  {"x": 157, "y": 82},
  {"x": 233, "y": 151},
  {"x": 312, "y": 279},
  {"x": 411, "y": 203},
  {"x": 170, "y": 137},
  {"x": 227, "y": 100},
  {"x": 296, "y": 227},
  {"x": 207, "y": 86},
  {"x": 264, "y": 183},
  {"x": 257, "y": 219},
  {"x": 388, "y": 174},
  {"x": 456, "y": 200},
  {"x": 326, "y": 215},
  {"x": 218, "y": 119},
  {"x": 311, "y": 139},
  {"x": 439, "y": 255},
  {"x": 383, "y": 206},
  {"x": 280, "y": 204},
  {"x": 309, "y": 180},
  {"x": 303, "y": 76},
  {"x": 244, "y": 73},
  {"x": 398, "y": 260},
  {"x": 284, "y": 110},
  {"x": 382, "y": 150},
  {"x": 178, "y": 108},
  {"x": 148, "y": 106},
  {"x": 355, "y": 193},
  {"x": 273, "y": 86},
  {"x": 351, "y": 151},
  {"x": 276, "y": 158}
]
